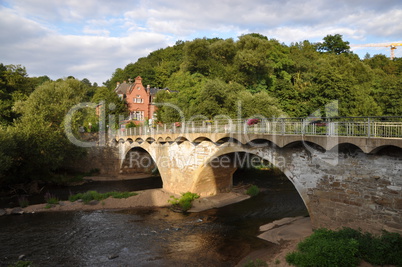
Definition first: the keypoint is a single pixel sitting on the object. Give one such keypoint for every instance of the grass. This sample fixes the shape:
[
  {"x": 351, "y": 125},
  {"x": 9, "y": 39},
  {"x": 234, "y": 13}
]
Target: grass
[
  {"x": 51, "y": 199},
  {"x": 93, "y": 195},
  {"x": 347, "y": 247},
  {"x": 23, "y": 201},
  {"x": 184, "y": 203}
]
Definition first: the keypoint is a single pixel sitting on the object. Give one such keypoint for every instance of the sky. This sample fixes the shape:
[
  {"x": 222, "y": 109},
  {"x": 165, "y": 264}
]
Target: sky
[{"x": 92, "y": 38}]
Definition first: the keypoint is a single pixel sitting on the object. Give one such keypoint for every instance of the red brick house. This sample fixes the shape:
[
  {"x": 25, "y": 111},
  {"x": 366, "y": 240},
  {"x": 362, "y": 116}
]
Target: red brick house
[{"x": 138, "y": 98}]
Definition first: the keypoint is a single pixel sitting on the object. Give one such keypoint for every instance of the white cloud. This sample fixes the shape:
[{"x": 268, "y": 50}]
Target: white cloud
[{"x": 92, "y": 38}]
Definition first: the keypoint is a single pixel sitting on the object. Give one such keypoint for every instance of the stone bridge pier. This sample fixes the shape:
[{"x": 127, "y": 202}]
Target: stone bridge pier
[{"x": 342, "y": 186}]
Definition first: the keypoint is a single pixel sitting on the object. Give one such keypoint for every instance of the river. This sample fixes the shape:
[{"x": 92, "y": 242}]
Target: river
[{"x": 147, "y": 237}]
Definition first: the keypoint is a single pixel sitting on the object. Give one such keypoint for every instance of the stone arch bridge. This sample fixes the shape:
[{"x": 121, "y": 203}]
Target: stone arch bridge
[{"x": 347, "y": 179}]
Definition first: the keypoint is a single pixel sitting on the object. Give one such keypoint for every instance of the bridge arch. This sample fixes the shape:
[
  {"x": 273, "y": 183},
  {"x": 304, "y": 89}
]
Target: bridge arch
[
  {"x": 387, "y": 148},
  {"x": 137, "y": 160},
  {"x": 216, "y": 173}
]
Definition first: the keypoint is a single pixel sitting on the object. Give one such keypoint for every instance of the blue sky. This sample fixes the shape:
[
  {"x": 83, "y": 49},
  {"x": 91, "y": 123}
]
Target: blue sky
[{"x": 91, "y": 38}]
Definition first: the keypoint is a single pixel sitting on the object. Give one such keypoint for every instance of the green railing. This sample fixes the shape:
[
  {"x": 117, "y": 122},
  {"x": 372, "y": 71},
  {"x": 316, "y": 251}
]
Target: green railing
[{"x": 386, "y": 127}]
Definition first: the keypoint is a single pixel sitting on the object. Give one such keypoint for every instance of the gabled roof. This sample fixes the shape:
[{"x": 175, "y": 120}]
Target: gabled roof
[{"x": 123, "y": 88}]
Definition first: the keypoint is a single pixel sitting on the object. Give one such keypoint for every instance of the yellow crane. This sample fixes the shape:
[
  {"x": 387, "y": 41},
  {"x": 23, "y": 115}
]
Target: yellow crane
[{"x": 392, "y": 46}]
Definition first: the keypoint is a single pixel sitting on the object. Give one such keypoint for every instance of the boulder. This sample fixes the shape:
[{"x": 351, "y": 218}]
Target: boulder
[
  {"x": 2, "y": 212},
  {"x": 17, "y": 211}
]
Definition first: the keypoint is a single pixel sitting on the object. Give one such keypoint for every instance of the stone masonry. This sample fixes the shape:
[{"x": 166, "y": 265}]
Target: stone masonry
[{"x": 340, "y": 187}]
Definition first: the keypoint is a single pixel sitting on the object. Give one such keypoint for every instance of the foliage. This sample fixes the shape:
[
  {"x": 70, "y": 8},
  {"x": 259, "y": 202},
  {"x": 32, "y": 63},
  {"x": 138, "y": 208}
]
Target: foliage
[
  {"x": 51, "y": 199},
  {"x": 267, "y": 78},
  {"x": 324, "y": 248},
  {"x": 93, "y": 195},
  {"x": 385, "y": 249},
  {"x": 253, "y": 191},
  {"x": 334, "y": 44},
  {"x": 344, "y": 247},
  {"x": 36, "y": 144},
  {"x": 23, "y": 201},
  {"x": 184, "y": 203},
  {"x": 110, "y": 106},
  {"x": 131, "y": 125}
]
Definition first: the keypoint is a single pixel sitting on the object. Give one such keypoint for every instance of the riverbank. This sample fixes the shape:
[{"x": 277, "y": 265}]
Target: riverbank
[
  {"x": 143, "y": 199},
  {"x": 285, "y": 234}
]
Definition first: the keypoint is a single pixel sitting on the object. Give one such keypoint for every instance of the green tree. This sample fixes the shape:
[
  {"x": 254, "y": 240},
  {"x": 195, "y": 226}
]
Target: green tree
[
  {"x": 334, "y": 44},
  {"x": 14, "y": 86},
  {"x": 42, "y": 144},
  {"x": 197, "y": 56},
  {"x": 113, "y": 105},
  {"x": 8, "y": 149}
]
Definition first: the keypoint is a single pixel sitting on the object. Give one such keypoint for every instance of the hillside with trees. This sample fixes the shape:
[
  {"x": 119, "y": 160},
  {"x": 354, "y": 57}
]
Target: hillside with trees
[
  {"x": 211, "y": 76},
  {"x": 269, "y": 78}
]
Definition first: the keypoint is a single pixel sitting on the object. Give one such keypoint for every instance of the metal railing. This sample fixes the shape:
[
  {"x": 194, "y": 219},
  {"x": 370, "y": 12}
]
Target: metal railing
[{"x": 386, "y": 127}]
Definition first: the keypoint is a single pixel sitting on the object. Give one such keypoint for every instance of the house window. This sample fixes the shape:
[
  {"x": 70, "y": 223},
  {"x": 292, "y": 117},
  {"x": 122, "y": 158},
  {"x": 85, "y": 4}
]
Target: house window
[
  {"x": 138, "y": 100},
  {"x": 137, "y": 115}
]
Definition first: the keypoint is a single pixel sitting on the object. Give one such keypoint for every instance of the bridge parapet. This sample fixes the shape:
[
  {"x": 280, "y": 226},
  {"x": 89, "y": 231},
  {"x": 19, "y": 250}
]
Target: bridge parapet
[
  {"x": 370, "y": 127},
  {"x": 369, "y": 134}
]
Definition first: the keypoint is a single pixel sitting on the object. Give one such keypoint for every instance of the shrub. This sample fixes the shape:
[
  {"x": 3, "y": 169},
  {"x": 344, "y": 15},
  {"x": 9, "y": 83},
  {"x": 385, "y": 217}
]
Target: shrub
[
  {"x": 131, "y": 125},
  {"x": 381, "y": 250},
  {"x": 51, "y": 199},
  {"x": 324, "y": 248},
  {"x": 23, "y": 201},
  {"x": 184, "y": 203},
  {"x": 253, "y": 190},
  {"x": 385, "y": 249}
]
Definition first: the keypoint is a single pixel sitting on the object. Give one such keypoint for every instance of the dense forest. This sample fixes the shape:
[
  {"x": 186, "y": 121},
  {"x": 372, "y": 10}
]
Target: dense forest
[
  {"x": 270, "y": 78},
  {"x": 211, "y": 77}
]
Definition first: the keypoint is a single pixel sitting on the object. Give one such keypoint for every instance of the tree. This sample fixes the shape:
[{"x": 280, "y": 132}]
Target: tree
[
  {"x": 334, "y": 44},
  {"x": 42, "y": 144},
  {"x": 197, "y": 56},
  {"x": 7, "y": 154},
  {"x": 113, "y": 105},
  {"x": 14, "y": 86}
]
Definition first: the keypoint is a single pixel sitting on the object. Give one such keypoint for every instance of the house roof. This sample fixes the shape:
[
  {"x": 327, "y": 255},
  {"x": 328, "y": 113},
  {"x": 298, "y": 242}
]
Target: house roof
[{"x": 123, "y": 88}]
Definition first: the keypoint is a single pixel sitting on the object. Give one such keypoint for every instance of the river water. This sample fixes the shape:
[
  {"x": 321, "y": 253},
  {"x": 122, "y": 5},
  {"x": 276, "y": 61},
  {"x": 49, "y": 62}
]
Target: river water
[{"x": 147, "y": 237}]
